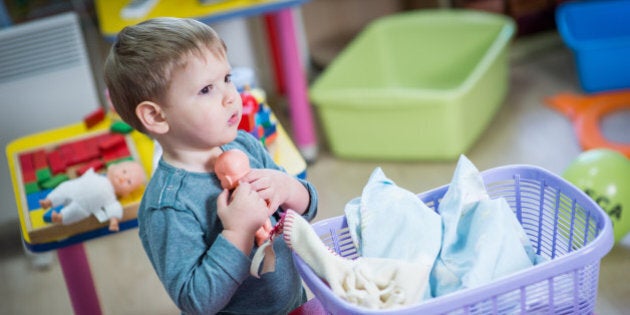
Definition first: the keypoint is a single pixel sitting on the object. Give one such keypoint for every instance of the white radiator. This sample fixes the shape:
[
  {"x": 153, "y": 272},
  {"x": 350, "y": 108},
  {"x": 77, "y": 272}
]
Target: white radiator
[{"x": 45, "y": 82}]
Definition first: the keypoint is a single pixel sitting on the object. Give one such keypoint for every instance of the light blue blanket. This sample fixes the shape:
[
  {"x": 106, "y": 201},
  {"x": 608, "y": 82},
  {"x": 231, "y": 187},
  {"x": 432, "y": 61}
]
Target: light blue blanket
[{"x": 472, "y": 241}]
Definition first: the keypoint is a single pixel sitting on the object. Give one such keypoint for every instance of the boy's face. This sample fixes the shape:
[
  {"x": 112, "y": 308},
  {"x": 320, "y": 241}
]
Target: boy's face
[{"x": 203, "y": 107}]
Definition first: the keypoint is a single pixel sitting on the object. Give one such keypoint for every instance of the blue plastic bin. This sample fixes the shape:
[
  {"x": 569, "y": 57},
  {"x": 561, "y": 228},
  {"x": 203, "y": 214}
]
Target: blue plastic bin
[
  {"x": 598, "y": 33},
  {"x": 564, "y": 225}
]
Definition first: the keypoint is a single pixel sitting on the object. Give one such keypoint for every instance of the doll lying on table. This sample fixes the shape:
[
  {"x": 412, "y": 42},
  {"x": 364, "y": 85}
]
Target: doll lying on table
[{"x": 95, "y": 194}]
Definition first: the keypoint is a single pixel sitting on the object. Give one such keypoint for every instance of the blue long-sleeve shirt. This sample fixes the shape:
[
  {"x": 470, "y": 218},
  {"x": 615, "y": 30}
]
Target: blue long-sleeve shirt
[{"x": 203, "y": 272}]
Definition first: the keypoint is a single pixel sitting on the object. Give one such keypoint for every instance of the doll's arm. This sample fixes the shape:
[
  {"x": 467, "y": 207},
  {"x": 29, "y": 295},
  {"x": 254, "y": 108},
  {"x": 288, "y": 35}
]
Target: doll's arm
[{"x": 112, "y": 212}]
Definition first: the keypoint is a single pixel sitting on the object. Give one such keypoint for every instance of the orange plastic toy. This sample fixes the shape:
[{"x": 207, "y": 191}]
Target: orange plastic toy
[
  {"x": 231, "y": 166},
  {"x": 586, "y": 112}
]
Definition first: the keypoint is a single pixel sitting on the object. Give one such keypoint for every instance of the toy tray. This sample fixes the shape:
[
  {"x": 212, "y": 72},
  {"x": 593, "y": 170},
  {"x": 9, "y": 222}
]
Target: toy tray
[{"x": 565, "y": 226}]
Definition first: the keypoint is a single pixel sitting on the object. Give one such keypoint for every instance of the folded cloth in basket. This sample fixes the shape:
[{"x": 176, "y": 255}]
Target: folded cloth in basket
[
  {"x": 375, "y": 283},
  {"x": 482, "y": 239},
  {"x": 388, "y": 221},
  {"x": 472, "y": 240}
]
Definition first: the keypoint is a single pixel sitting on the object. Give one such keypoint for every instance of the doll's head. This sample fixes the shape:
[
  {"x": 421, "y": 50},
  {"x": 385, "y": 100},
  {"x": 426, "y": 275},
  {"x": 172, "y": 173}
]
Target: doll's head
[
  {"x": 230, "y": 166},
  {"x": 126, "y": 177}
]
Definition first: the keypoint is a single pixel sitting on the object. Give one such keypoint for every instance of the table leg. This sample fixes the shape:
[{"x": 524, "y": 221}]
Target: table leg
[
  {"x": 272, "y": 38},
  {"x": 76, "y": 272},
  {"x": 295, "y": 80}
]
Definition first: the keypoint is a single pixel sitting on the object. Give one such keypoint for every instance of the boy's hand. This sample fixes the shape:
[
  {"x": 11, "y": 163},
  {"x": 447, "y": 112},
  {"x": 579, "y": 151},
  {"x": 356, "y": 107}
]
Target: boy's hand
[
  {"x": 272, "y": 185},
  {"x": 241, "y": 215}
]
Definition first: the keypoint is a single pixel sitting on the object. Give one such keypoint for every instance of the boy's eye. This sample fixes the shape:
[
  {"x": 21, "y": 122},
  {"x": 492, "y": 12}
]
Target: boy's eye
[
  {"x": 228, "y": 78},
  {"x": 206, "y": 89}
]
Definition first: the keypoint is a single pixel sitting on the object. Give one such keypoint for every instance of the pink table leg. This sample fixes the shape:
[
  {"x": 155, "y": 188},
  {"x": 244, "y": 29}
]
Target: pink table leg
[
  {"x": 76, "y": 272},
  {"x": 295, "y": 80}
]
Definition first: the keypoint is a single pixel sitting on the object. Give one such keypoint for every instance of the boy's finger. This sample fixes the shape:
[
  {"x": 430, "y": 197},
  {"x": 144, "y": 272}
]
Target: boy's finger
[{"x": 222, "y": 200}]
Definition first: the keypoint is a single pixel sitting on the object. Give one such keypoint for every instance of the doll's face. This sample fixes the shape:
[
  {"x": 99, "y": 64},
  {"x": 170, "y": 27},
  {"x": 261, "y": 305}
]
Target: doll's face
[
  {"x": 126, "y": 177},
  {"x": 230, "y": 166}
]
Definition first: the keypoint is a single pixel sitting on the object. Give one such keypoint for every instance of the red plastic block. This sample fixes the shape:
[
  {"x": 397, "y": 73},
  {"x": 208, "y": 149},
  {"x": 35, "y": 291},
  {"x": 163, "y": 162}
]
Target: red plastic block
[
  {"x": 26, "y": 162},
  {"x": 249, "y": 102},
  {"x": 117, "y": 153},
  {"x": 79, "y": 155},
  {"x": 29, "y": 176},
  {"x": 96, "y": 164},
  {"x": 57, "y": 164},
  {"x": 94, "y": 118},
  {"x": 83, "y": 152},
  {"x": 91, "y": 147},
  {"x": 111, "y": 142},
  {"x": 67, "y": 153},
  {"x": 248, "y": 120},
  {"x": 39, "y": 159}
]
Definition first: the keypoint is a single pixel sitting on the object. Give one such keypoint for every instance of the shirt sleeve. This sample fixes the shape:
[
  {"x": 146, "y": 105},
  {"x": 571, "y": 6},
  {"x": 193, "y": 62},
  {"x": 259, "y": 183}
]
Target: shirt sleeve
[
  {"x": 311, "y": 210},
  {"x": 199, "y": 279}
]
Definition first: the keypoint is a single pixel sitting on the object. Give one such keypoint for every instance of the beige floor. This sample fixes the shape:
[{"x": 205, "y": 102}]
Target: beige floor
[{"x": 523, "y": 131}]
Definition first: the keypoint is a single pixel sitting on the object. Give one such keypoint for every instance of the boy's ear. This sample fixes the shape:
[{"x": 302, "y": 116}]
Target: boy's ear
[{"x": 152, "y": 117}]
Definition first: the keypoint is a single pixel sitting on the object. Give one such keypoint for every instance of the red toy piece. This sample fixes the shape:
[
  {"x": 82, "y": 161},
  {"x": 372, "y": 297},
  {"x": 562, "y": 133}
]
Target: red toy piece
[
  {"x": 94, "y": 118},
  {"x": 249, "y": 101},
  {"x": 248, "y": 120},
  {"x": 250, "y": 108},
  {"x": 39, "y": 160},
  {"x": 28, "y": 168},
  {"x": 96, "y": 164},
  {"x": 116, "y": 153},
  {"x": 111, "y": 142},
  {"x": 57, "y": 164},
  {"x": 83, "y": 152}
]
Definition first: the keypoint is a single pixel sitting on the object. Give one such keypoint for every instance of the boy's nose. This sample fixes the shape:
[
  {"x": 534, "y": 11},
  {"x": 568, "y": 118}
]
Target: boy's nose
[{"x": 229, "y": 97}]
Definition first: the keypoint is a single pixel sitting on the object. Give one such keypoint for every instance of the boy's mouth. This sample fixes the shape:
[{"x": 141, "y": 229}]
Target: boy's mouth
[{"x": 235, "y": 119}]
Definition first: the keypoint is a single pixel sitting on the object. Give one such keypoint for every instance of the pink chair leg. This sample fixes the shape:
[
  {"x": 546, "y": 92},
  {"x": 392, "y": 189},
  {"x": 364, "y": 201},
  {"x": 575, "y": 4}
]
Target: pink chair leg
[
  {"x": 76, "y": 272},
  {"x": 296, "y": 85}
]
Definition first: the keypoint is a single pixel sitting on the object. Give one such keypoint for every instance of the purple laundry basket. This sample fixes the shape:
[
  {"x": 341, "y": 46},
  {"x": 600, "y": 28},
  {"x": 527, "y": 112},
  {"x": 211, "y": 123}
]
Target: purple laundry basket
[{"x": 564, "y": 225}]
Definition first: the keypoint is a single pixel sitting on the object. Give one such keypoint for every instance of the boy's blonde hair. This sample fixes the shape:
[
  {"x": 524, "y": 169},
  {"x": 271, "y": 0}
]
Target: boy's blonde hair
[{"x": 142, "y": 59}]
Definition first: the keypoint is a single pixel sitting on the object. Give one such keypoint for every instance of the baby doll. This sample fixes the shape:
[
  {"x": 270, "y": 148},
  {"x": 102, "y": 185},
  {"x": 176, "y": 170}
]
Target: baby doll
[
  {"x": 95, "y": 194},
  {"x": 230, "y": 167}
]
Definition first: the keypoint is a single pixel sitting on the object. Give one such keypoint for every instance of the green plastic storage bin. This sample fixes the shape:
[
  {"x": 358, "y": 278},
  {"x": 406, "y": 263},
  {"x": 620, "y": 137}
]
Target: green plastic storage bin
[{"x": 420, "y": 85}]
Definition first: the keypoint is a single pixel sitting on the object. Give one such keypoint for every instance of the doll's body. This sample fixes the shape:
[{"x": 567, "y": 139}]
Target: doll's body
[
  {"x": 230, "y": 167},
  {"x": 95, "y": 194}
]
